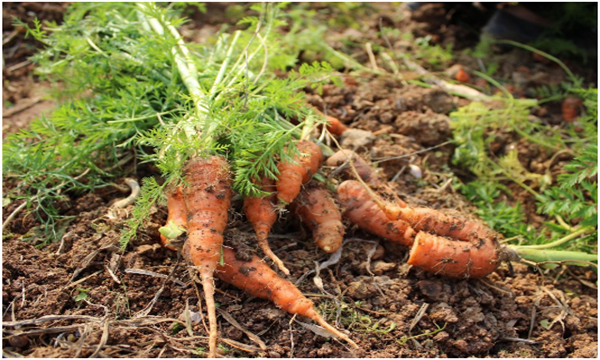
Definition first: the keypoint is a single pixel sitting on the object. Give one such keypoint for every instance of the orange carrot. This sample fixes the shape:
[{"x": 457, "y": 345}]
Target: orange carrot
[
  {"x": 364, "y": 170},
  {"x": 451, "y": 258},
  {"x": 434, "y": 221},
  {"x": 177, "y": 214},
  {"x": 257, "y": 279},
  {"x": 570, "y": 108},
  {"x": 474, "y": 253},
  {"x": 293, "y": 174},
  {"x": 318, "y": 211},
  {"x": 463, "y": 76},
  {"x": 262, "y": 214},
  {"x": 362, "y": 211},
  {"x": 334, "y": 125},
  {"x": 207, "y": 198}
]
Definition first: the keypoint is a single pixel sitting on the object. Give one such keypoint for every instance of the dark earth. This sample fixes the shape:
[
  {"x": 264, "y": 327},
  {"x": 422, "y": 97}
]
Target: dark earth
[{"x": 83, "y": 297}]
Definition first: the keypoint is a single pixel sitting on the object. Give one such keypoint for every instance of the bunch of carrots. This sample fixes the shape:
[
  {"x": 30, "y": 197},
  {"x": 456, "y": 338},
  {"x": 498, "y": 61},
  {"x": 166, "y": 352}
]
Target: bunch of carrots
[
  {"x": 440, "y": 244},
  {"x": 200, "y": 208},
  {"x": 232, "y": 112}
]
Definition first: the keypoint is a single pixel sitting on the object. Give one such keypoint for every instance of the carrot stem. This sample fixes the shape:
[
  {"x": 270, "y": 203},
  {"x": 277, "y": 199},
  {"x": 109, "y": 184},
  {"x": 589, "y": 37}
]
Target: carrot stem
[
  {"x": 582, "y": 231},
  {"x": 542, "y": 256}
]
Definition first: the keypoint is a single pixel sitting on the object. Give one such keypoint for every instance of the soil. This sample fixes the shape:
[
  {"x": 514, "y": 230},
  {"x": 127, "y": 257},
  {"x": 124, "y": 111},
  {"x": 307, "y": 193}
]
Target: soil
[{"x": 86, "y": 297}]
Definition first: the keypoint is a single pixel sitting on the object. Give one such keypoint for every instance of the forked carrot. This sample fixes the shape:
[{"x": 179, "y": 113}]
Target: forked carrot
[
  {"x": 261, "y": 212},
  {"x": 177, "y": 215},
  {"x": 257, "y": 279},
  {"x": 364, "y": 212},
  {"x": 207, "y": 197},
  {"x": 473, "y": 251},
  {"x": 319, "y": 212},
  {"x": 451, "y": 258},
  {"x": 292, "y": 174}
]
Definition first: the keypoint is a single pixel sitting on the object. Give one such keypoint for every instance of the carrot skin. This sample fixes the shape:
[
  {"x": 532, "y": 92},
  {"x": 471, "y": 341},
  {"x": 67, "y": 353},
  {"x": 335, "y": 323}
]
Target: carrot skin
[
  {"x": 433, "y": 221},
  {"x": 257, "y": 279},
  {"x": 452, "y": 258},
  {"x": 207, "y": 198},
  {"x": 362, "y": 211},
  {"x": 319, "y": 212},
  {"x": 177, "y": 213},
  {"x": 293, "y": 174},
  {"x": 463, "y": 76},
  {"x": 334, "y": 125},
  {"x": 261, "y": 212}
]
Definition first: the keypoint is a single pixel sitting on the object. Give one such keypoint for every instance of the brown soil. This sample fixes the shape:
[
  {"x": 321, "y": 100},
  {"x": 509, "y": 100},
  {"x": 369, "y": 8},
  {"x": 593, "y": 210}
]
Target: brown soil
[{"x": 91, "y": 298}]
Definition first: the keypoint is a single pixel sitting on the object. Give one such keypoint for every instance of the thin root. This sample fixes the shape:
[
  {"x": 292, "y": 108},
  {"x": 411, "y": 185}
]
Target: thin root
[{"x": 135, "y": 192}]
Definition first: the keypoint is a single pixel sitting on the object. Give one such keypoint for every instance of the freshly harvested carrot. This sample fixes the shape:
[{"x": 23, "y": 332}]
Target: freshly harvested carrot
[
  {"x": 451, "y": 258},
  {"x": 364, "y": 212},
  {"x": 177, "y": 215},
  {"x": 334, "y": 125},
  {"x": 344, "y": 156},
  {"x": 463, "y": 76},
  {"x": 257, "y": 279},
  {"x": 436, "y": 222},
  {"x": 207, "y": 197},
  {"x": 292, "y": 174},
  {"x": 570, "y": 108},
  {"x": 319, "y": 212},
  {"x": 261, "y": 212},
  {"x": 474, "y": 253}
]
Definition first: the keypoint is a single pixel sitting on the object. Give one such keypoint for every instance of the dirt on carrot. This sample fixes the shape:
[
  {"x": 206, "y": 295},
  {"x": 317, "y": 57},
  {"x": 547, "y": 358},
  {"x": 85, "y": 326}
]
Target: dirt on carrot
[
  {"x": 510, "y": 313},
  {"x": 318, "y": 210},
  {"x": 207, "y": 198},
  {"x": 292, "y": 174},
  {"x": 262, "y": 212}
]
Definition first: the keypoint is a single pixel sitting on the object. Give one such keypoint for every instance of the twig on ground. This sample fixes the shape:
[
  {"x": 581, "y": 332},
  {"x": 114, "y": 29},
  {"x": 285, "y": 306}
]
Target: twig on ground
[
  {"x": 18, "y": 108},
  {"x": 227, "y": 316},
  {"x": 527, "y": 341},
  {"x": 372, "y": 60},
  {"x": 148, "y": 308},
  {"x": 103, "y": 339},
  {"x": 154, "y": 274}
]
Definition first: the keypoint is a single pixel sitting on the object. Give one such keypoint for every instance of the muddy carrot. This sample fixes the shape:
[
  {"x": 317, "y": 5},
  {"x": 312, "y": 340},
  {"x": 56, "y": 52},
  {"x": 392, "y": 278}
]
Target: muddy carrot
[
  {"x": 257, "y": 279},
  {"x": 207, "y": 197},
  {"x": 261, "y": 212},
  {"x": 318, "y": 210},
  {"x": 434, "y": 221},
  {"x": 451, "y": 258},
  {"x": 292, "y": 174},
  {"x": 364, "y": 212}
]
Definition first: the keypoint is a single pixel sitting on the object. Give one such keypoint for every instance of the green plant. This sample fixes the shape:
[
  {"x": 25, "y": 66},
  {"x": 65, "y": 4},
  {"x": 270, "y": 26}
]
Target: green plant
[
  {"x": 82, "y": 294},
  {"x": 568, "y": 202},
  {"x": 130, "y": 85}
]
